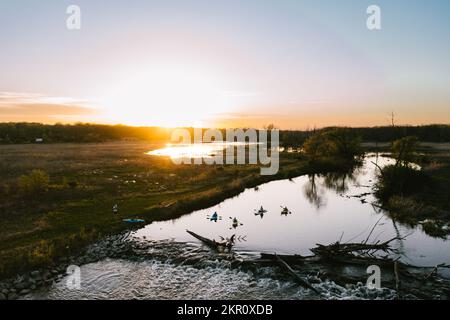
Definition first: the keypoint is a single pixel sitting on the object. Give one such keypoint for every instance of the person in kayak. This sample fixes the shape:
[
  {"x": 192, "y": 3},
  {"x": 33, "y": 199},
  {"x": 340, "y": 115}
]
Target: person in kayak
[
  {"x": 214, "y": 217},
  {"x": 235, "y": 223},
  {"x": 260, "y": 212}
]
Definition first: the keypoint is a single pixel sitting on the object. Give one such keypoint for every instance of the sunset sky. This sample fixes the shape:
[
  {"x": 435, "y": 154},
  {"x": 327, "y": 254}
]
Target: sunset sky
[{"x": 218, "y": 63}]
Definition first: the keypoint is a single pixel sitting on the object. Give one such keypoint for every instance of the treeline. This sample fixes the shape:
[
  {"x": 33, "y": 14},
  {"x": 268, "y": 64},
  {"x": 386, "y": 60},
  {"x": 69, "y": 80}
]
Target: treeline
[
  {"x": 34, "y": 132},
  {"x": 425, "y": 133}
]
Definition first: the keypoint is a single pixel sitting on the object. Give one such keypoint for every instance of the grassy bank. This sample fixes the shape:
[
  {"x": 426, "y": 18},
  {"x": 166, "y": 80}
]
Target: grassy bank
[
  {"x": 420, "y": 196},
  {"x": 86, "y": 180}
]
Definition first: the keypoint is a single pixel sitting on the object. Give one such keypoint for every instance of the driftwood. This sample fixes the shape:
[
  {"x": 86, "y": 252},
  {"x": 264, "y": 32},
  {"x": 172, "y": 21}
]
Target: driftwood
[
  {"x": 296, "y": 277},
  {"x": 295, "y": 259},
  {"x": 339, "y": 249},
  {"x": 330, "y": 261},
  {"x": 227, "y": 244},
  {"x": 397, "y": 277},
  {"x": 435, "y": 270},
  {"x": 211, "y": 243}
]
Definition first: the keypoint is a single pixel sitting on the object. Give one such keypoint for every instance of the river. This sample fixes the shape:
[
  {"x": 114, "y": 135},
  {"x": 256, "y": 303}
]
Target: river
[{"x": 322, "y": 209}]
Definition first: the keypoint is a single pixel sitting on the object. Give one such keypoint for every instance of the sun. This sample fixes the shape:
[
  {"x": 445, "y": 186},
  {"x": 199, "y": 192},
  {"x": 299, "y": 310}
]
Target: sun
[{"x": 165, "y": 96}]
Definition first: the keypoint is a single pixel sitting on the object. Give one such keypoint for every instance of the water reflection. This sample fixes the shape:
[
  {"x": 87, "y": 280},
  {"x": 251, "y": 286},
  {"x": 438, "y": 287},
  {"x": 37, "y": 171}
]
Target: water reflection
[
  {"x": 339, "y": 182},
  {"x": 196, "y": 150},
  {"x": 323, "y": 208},
  {"x": 328, "y": 209},
  {"x": 314, "y": 192}
]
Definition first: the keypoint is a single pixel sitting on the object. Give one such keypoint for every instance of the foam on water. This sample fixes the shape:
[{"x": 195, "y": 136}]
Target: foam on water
[{"x": 121, "y": 279}]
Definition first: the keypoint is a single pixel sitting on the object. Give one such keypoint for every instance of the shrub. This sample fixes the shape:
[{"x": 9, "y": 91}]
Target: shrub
[
  {"x": 316, "y": 147},
  {"x": 34, "y": 183},
  {"x": 401, "y": 181},
  {"x": 42, "y": 254}
]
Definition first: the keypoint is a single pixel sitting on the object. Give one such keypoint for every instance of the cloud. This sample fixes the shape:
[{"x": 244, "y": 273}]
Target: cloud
[{"x": 16, "y": 107}]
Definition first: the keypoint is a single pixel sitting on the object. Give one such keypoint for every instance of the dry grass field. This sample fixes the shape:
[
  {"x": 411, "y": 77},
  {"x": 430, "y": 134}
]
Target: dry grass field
[{"x": 87, "y": 180}]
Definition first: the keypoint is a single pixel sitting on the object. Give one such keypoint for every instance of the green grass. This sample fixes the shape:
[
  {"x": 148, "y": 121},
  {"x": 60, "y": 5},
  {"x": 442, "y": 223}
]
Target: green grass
[
  {"x": 36, "y": 230},
  {"x": 415, "y": 195}
]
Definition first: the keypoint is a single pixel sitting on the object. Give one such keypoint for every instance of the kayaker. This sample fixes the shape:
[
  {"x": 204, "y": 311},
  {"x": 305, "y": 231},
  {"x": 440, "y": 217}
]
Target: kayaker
[
  {"x": 236, "y": 223},
  {"x": 214, "y": 217}
]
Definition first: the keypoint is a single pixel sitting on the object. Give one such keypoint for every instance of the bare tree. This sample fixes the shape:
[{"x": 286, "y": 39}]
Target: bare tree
[{"x": 392, "y": 119}]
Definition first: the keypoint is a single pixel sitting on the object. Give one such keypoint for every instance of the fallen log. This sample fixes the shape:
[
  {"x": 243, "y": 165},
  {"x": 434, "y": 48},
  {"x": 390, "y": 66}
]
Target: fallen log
[
  {"x": 296, "y": 258},
  {"x": 227, "y": 244},
  {"x": 397, "y": 277},
  {"x": 296, "y": 277},
  {"x": 211, "y": 243}
]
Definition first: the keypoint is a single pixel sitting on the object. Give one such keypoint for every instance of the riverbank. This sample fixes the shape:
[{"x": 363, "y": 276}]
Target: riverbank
[
  {"x": 87, "y": 180},
  {"x": 293, "y": 165},
  {"x": 429, "y": 206}
]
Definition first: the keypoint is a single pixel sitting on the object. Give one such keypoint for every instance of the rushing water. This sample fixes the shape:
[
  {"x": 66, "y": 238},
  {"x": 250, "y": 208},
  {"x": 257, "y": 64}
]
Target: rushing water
[{"x": 323, "y": 209}]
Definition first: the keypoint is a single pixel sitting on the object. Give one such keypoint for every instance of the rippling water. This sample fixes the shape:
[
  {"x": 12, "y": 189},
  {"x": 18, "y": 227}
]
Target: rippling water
[
  {"x": 124, "y": 279},
  {"x": 323, "y": 210}
]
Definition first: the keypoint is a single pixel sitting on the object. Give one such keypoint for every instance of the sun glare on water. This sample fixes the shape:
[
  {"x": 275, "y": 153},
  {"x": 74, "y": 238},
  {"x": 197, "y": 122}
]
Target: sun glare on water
[{"x": 190, "y": 151}]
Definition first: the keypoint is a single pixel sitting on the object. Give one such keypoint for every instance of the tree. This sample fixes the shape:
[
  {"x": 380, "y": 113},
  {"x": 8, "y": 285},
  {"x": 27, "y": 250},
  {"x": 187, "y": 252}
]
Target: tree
[
  {"x": 404, "y": 150},
  {"x": 333, "y": 144},
  {"x": 347, "y": 146},
  {"x": 317, "y": 147}
]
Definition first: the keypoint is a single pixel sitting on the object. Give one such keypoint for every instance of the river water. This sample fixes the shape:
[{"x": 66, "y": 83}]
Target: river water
[{"x": 323, "y": 209}]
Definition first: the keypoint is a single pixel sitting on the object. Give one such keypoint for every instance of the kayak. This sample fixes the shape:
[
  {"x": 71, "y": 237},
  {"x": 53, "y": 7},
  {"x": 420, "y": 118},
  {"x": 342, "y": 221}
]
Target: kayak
[
  {"x": 214, "y": 217},
  {"x": 133, "y": 220}
]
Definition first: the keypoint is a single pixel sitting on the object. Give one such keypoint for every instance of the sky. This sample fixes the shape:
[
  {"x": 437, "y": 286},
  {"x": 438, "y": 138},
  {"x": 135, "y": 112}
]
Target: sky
[{"x": 297, "y": 64}]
